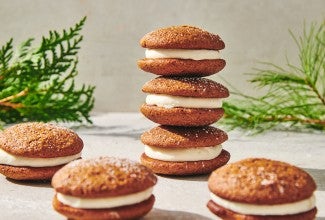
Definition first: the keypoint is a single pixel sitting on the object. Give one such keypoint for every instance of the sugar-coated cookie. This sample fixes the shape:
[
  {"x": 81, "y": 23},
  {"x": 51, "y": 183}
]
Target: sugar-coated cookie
[
  {"x": 181, "y": 101},
  {"x": 182, "y": 51},
  {"x": 182, "y": 37},
  {"x": 103, "y": 188},
  {"x": 258, "y": 189},
  {"x": 36, "y": 150},
  {"x": 174, "y": 150}
]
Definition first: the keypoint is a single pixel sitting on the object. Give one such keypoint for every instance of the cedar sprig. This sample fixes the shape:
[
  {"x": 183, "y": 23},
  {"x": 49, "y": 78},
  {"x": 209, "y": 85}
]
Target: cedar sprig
[
  {"x": 37, "y": 84},
  {"x": 295, "y": 97}
]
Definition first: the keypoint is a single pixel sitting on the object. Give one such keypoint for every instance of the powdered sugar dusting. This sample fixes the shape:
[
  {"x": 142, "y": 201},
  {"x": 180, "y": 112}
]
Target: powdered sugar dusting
[
  {"x": 103, "y": 176},
  {"x": 113, "y": 165}
]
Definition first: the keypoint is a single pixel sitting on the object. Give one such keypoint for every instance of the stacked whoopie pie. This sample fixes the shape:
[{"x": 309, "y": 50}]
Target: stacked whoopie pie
[{"x": 183, "y": 102}]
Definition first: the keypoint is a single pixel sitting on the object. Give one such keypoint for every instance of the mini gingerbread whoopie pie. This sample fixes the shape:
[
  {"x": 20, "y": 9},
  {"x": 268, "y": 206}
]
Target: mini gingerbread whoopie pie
[
  {"x": 36, "y": 150},
  {"x": 182, "y": 51},
  {"x": 175, "y": 150},
  {"x": 262, "y": 189},
  {"x": 103, "y": 188},
  {"x": 180, "y": 101}
]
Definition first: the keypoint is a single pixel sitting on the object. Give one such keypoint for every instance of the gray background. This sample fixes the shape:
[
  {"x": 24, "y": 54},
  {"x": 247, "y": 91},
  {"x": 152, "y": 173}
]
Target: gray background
[{"x": 253, "y": 30}]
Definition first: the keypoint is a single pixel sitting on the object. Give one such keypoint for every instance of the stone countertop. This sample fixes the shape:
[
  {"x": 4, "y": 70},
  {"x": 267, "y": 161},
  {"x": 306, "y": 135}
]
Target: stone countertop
[{"x": 117, "y": 134}]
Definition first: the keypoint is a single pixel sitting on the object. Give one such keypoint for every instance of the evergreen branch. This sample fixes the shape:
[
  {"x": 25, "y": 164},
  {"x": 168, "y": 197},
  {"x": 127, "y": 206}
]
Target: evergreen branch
[
  {"x": 24, "y": 48},
  {"x": 295, "y": 96},
  {"x": 4, "y": 101},
  {"x": 38, "y": 85},
  {"x": 6, "y": 55}
]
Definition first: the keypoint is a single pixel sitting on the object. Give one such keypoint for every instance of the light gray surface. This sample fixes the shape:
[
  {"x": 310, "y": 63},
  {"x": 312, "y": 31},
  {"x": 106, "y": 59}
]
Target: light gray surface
[
  {"x": 252, "y": 30},
  {"x": 117, "y": 134}
]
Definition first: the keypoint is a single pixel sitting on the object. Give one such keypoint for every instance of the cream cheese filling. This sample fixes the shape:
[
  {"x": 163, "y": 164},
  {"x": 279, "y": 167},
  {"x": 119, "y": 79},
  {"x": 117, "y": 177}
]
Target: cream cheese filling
[
  {"x": 168, "y": 101},
  {"x": 180, "y": 154},
  {"x": 13, "y": 160},
  {"x": 106, "y": 202},
  {"x": 255, "y": 209},
  {"x": 182, "y": 54}
]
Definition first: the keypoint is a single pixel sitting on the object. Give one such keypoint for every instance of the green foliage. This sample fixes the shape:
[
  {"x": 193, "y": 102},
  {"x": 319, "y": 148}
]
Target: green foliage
[
  {"x": 37, "y": 84},
  {"x": 295, "y": 96}
]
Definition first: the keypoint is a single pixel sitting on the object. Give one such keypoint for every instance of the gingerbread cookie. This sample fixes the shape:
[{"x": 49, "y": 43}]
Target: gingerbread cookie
[
  {"x": 259, "y": 189},
  {"x": 103, "y": 188},
  {"x": 35, "y": 150},
  {"x": 182, "y": 101},
  {"x": 182, "y": 51},
  {"x": 184, "y": 151}
]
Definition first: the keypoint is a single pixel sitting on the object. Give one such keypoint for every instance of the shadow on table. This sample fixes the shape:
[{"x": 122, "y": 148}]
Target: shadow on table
[
  {"x": 44, "y": 184},
  {"x": 199, "y": 178},
  {"x": 161, "y": 214},
  {"x": 320, "y": 218}
]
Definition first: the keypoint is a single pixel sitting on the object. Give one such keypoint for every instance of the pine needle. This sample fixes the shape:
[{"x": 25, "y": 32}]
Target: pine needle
[{"x": 295, "y": 95}]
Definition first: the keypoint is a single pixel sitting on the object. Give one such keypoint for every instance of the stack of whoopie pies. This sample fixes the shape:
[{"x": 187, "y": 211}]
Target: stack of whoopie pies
[{"x": 183, "y": 102}]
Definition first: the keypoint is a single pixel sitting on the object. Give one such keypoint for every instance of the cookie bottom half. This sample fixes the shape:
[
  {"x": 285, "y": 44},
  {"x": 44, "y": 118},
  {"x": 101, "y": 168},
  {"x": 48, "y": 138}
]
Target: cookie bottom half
[
  {"x": 29, "y": 173},
  {"x": 227, "y": 214},
  {"x": 187, "y": 167},
  {"x": 182, "y": 116},
  {"x": 181, "y": 67},
  {"x": 124, "y": 212}
]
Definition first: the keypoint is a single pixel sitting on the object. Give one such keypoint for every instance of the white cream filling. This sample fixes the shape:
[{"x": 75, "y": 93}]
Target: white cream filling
[
  {"x": 254, "y": 209},
  {"x": 182, "y": 54},
  {"x": 186, "y": 154},
  {"x": 13, "y": 160},
  {"x": 107, "y": 202},
  {"x": 168, "y": 101}
]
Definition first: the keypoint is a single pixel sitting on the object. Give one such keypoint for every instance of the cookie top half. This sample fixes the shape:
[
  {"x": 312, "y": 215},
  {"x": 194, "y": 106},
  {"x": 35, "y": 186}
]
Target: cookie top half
[
  {"x": 103, "y": 177},
  {"x": 183, "y": 137},
  {"x": 40, "y": 140},
  {"x": 261, "y": 181},
  {"x": 182, "y": 37},
  {"x": 185, "y": 86}
]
